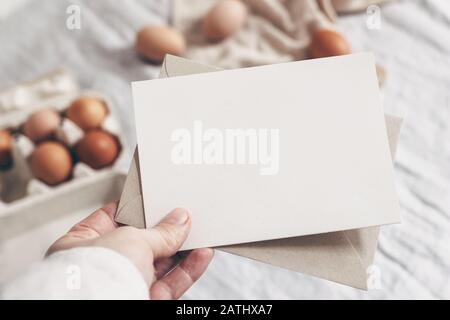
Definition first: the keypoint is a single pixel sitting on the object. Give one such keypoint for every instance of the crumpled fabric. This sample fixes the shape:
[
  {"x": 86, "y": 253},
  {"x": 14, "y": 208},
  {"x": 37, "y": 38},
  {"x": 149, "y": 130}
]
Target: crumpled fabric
[{"x": 275, "y": 31}]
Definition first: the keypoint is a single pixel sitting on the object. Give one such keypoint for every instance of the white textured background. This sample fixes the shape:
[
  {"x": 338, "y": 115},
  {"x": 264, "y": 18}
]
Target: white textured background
[{"x": 414, "y": 47}]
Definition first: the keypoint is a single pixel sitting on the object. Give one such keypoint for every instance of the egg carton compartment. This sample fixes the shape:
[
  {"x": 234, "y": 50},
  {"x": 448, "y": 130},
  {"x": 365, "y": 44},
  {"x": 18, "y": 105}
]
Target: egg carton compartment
[
  {"x": 18, "y": 102},
  {"x": 35, "y": 210},
  {"x": 26, "y": 201},
  {"x": 20, "y": 182}
]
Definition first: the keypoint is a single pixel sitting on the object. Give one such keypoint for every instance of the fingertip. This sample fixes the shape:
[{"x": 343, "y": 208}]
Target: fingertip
[
  {"x": 202, "y": 256},
  {"x": 181, "y": 278},
  {"x": 160, "y": 291},
  {"x": 178, "y": 216},
  {"x": 110, "y": 208},
  {"x": 204, "y": 253}
]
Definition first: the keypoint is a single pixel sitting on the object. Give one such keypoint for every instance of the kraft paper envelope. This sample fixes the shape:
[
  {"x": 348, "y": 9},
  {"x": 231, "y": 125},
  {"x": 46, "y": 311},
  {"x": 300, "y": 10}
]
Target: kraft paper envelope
[{"x": 338, "y": 256}]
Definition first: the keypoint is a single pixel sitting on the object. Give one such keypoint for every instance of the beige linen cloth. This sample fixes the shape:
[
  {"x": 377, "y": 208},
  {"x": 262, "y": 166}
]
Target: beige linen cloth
[{"x": 275, "y": 31}]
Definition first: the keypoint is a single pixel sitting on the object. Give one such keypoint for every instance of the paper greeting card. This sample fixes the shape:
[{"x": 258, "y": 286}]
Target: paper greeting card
[{"x": 268, "y": 152}]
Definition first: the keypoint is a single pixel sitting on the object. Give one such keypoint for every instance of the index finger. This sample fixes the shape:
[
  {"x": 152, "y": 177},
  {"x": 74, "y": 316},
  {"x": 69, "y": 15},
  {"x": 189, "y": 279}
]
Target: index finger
[{"x": 96, "y": 224}]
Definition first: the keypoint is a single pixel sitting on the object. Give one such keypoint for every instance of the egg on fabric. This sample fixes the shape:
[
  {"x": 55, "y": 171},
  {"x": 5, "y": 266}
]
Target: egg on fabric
[
  {"x": 51, "y": 162},
  {"x": 5, "y": 148},
  {"x": 155, "y": 41},
  {"x": 41, "y": 125},
  {"x": 87, "y": 112},
  {"x": 327, "y": 43},
  {"x": 224, "y": 19},
  {"x": 97, "y": 149}
]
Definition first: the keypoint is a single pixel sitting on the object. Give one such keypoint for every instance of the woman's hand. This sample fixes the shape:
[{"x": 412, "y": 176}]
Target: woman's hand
[{"x": 153, "y": 251}]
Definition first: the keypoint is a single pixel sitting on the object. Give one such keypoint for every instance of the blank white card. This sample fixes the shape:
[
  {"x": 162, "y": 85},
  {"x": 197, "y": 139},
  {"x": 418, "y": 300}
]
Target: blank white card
[{"x": 267, "y": 152}]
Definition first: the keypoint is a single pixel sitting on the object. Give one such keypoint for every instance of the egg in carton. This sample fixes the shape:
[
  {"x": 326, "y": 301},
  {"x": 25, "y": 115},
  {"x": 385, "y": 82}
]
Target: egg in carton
[{"x": 28, "y": 199}]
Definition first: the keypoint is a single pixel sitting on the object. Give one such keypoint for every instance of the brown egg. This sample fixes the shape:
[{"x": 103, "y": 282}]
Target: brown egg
[
  {"x": 41, "y": 125},
  {"x": 51, "y": 162},
  {"x": 97, "y": 149},
  {"x": 87, "y": 112},
  {"x": 327, "y": 43},
  {"x": 154, "y": 42},
  {"x": 225, "y": 18},
  {"x": 5, "y": 148}
]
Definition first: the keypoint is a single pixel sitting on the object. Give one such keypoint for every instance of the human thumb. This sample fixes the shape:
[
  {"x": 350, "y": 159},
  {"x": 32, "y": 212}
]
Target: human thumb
[{"x": 169, "y": 234}]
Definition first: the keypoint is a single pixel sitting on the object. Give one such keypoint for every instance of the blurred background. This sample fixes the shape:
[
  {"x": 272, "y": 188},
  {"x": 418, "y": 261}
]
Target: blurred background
[{"x": 105, "y": 44}]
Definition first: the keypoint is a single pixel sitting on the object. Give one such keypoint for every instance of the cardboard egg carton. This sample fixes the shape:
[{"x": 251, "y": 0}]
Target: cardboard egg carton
[{"x": 26, "y": 202}]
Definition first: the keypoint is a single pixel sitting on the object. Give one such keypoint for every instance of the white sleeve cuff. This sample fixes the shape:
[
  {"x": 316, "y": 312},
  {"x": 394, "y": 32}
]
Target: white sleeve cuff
[{"x": 80, "y": 273}]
